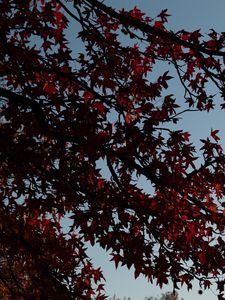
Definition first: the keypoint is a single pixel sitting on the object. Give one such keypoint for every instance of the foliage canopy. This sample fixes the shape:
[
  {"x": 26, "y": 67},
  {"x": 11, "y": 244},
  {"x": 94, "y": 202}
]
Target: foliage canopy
[{"x": 71, "y": 113}]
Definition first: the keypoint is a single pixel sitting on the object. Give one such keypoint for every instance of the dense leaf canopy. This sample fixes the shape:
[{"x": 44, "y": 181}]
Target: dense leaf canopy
[{"x": 86, "y": 111}]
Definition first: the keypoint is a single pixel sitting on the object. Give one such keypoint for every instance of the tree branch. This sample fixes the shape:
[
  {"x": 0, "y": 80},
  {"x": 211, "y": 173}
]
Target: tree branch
[{"x": 148, "y": 29}]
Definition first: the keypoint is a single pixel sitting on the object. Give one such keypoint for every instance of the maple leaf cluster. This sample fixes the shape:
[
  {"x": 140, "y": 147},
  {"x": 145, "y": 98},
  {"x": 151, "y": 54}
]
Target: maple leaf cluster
[{"x": 72, "y": 114}]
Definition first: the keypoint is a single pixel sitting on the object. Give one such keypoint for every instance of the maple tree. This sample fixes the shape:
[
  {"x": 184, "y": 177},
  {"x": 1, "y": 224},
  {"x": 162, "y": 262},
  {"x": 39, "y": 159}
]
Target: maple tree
[
  {"x": 115, "y": 298},
  {"x": 165, "y": 296},
  {"x": 69, "y": 113}
]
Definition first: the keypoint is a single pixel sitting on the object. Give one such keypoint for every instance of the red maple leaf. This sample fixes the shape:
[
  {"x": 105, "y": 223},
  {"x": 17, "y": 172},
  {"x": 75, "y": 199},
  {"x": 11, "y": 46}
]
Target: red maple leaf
[{"x": 214, "y": 135}]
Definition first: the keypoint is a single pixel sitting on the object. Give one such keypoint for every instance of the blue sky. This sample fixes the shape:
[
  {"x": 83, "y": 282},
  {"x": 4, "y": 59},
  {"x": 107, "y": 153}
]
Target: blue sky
[{"x": 189, "y": 15}]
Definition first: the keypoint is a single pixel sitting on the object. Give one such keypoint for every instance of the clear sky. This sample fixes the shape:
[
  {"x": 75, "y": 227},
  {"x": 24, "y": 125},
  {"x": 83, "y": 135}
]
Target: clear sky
[{"x": 189, "y": 15}]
